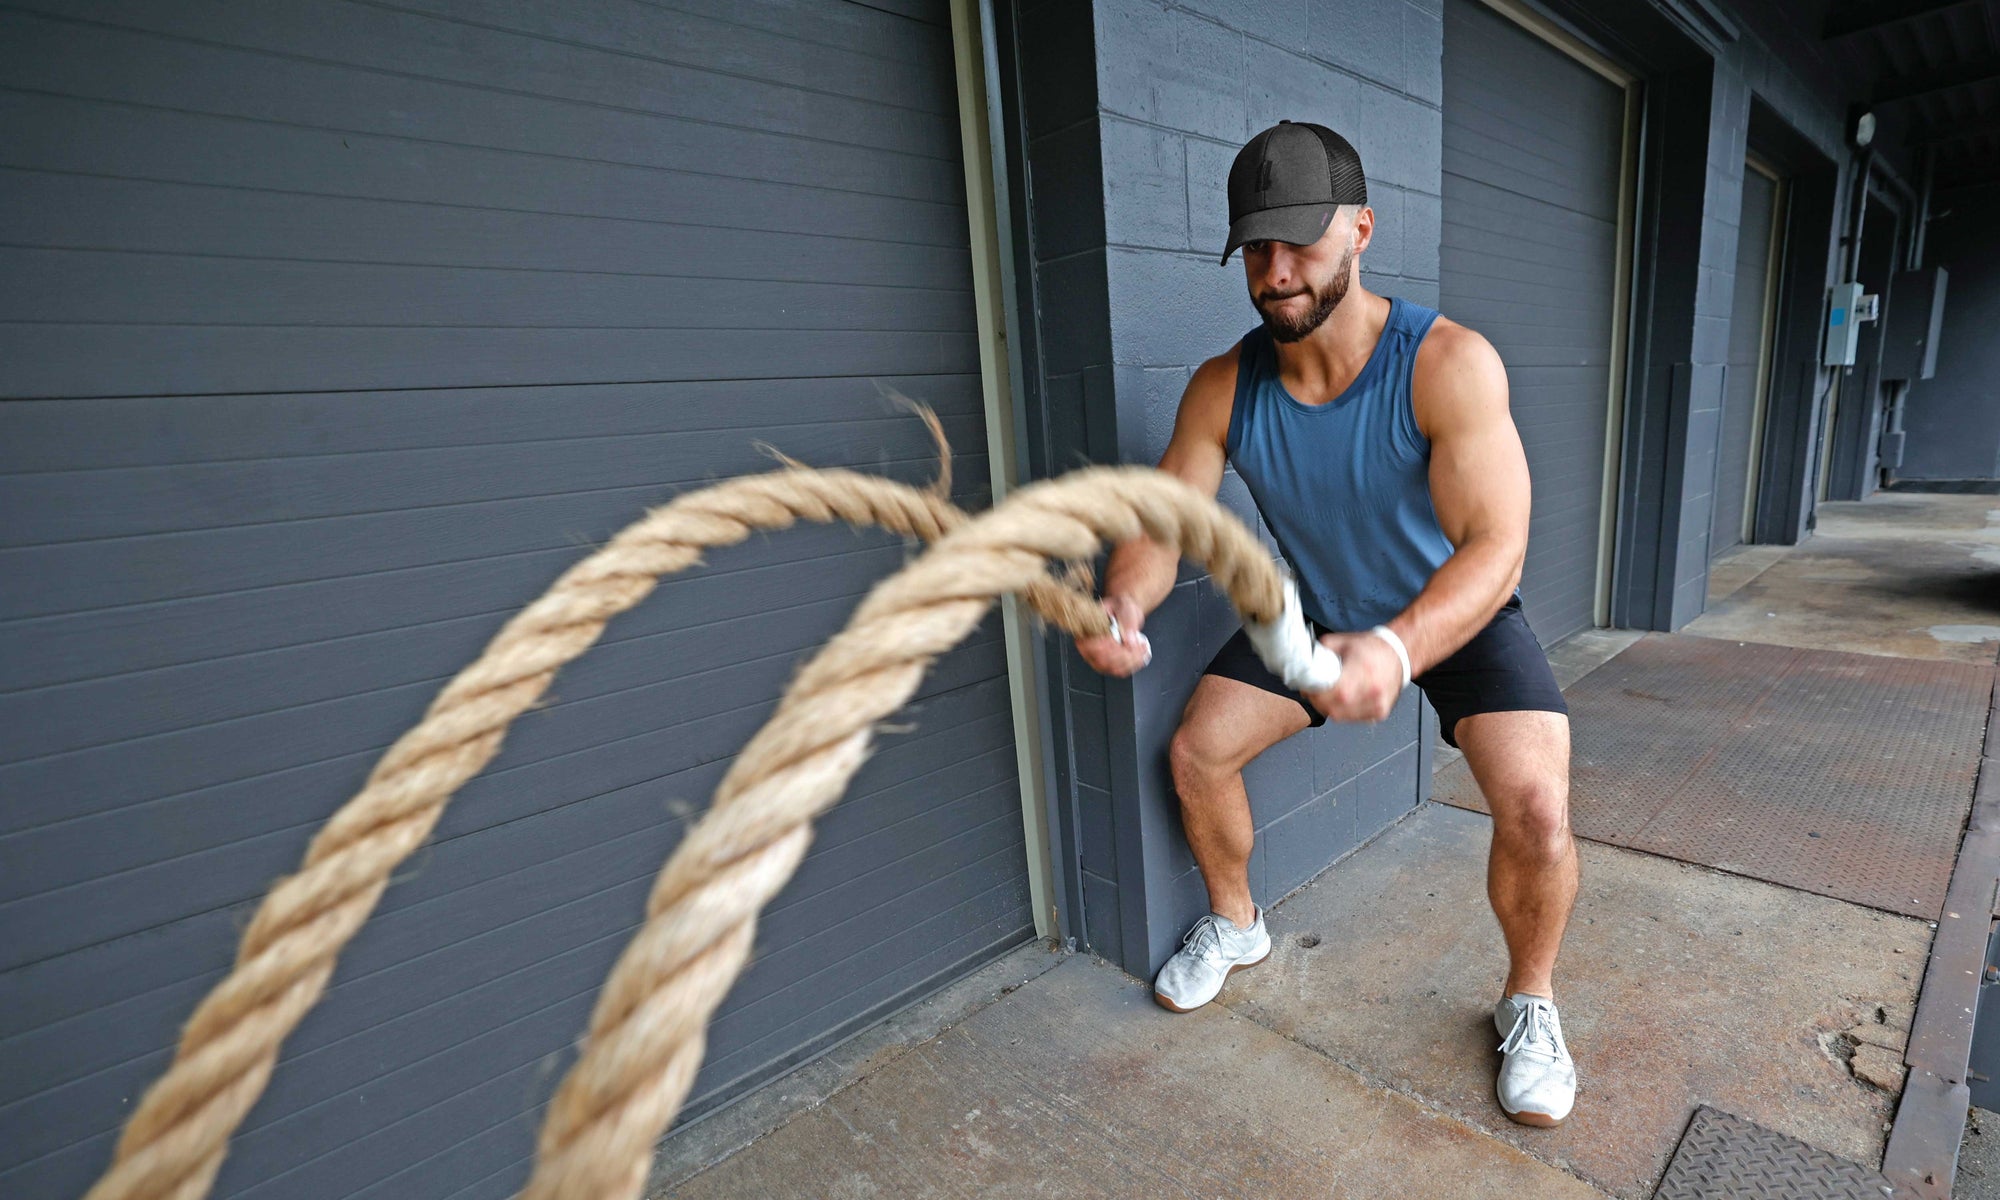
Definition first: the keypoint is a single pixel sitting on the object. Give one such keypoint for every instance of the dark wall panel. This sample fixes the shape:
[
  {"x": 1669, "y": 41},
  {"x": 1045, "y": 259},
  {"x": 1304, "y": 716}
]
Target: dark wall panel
[
  {"x": 1532, "y": 144},
  {"x": 1952, "y": 420},
  {"x": 335, "y": 333}
]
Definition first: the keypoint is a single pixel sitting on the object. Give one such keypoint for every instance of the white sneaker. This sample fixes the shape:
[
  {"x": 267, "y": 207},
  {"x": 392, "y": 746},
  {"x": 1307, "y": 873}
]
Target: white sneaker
[
  {"x": 1209, "y": 953},
  {"x": 1537, "y": 1083}
]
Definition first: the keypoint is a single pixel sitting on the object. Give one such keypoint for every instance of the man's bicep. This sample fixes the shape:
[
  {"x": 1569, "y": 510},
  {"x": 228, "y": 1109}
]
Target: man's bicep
[
  {"x": 1198, "y": 451},
  {"x": 1479, "y": 471},
  {"x": 1479, "y": 482},
  {"x": 1197, "y": 460}
]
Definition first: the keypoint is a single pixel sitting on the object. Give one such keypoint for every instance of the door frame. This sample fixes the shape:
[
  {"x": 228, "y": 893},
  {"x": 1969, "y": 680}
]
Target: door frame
[
  {"x": 1026, "y": 689},
  {"x": 1766, "y": 336}
]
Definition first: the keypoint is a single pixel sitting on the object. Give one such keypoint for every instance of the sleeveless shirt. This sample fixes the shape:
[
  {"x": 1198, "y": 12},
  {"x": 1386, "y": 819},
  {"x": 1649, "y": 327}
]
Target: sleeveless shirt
[{"x": 1343, "y": 486}]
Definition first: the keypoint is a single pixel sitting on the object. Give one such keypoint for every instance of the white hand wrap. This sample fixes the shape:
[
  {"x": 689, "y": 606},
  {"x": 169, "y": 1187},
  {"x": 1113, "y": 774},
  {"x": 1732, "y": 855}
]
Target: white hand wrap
[
  {"x": 1289, "y": 649},
  {"x": 1395, "y": 643},
  {"x": 1138, "y": 639}
]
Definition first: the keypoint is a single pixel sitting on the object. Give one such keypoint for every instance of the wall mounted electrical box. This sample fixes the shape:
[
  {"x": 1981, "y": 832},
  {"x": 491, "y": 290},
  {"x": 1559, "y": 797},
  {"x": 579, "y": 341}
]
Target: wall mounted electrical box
[
  {"x": 1916, "y": 313},
  {"x": 1843, "y": 324}
]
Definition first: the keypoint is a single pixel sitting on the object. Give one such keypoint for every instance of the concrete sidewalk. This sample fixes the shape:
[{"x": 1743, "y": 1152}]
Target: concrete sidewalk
[{"x": 1359, "y": 1060}]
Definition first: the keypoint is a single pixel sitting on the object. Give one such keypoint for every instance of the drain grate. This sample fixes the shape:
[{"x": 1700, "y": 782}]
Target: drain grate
[
  {"x": 1848, "y": 775},
  {"x": 1724, "y": 1157}
]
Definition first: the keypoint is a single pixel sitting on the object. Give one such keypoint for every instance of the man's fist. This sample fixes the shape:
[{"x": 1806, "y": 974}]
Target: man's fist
[
  {"x": 1125, "y": 654},
  {"x": 1371, "y": 677}
]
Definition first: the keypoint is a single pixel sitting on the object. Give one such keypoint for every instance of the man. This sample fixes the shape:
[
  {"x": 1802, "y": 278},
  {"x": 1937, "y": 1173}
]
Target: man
[{"x": 1376, "y": 439}]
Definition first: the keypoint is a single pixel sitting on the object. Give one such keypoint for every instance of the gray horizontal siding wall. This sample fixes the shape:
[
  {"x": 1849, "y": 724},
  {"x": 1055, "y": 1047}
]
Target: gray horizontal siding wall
[
  {"x": 334, "y": 333},
  {"x": 1533, "y": 144}
]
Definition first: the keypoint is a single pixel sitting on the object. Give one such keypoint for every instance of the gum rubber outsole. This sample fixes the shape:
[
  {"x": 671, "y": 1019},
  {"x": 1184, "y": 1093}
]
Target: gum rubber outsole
[
  {"x": 1538, "y": 1120},
  {"x": 1170, "y": 1006}
]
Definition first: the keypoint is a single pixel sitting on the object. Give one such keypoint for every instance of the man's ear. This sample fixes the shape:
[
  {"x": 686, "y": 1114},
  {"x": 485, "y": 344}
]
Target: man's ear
[{"x": 1364, "y": 228}]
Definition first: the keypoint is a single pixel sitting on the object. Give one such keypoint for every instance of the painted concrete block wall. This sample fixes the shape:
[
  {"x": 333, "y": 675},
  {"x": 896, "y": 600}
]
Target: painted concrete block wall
[
  {"x": 1708, "y": 354},
  {"x": 1180, "y": 89},
  {"x": 1952, "y": 420}
]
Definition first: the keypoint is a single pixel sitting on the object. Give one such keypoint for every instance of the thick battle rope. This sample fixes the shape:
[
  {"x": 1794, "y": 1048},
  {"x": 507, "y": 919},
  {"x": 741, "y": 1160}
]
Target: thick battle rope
[{"x": 647, "y": 1035}]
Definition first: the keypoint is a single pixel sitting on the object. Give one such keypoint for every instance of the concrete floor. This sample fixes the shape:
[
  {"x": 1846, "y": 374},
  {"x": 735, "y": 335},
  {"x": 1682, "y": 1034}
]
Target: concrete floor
[
  {"x": 1359, "y": 1060},
  {"x": 1900, "y": 573},
  {"x": 1979, "y": 1159},
  {"x": 1078, "y": 1085},
  {"x": 1679, "y": 986}
]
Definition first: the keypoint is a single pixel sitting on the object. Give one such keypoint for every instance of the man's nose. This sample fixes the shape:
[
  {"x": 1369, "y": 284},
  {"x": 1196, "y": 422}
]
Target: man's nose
[{"x": 1278, "y": 270}]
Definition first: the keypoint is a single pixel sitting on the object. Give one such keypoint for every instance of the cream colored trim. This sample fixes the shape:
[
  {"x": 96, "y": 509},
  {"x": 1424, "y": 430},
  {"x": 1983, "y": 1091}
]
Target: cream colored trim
[
  {"x": 1555, "y": 35},
  {"x": 1772, "y": 254},
  {"x": 990, "y": 310}
]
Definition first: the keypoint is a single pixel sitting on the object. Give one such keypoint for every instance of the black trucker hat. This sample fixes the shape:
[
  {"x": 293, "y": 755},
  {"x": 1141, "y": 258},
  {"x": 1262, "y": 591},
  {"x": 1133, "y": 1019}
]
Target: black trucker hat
[{"x": 1286, "y": 183}]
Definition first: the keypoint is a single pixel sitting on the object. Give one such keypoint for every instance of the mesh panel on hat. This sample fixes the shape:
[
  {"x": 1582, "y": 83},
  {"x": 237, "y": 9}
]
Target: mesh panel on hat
[{"x": 1350, "y": 186}]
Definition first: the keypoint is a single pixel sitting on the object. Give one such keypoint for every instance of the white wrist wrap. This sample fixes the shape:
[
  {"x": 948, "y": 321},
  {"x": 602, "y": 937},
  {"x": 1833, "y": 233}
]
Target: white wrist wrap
[
  {"x": 1289, "y": 649},
  {"x": 1395, "y": 643},
  {"x": 1138, "y": 639}
]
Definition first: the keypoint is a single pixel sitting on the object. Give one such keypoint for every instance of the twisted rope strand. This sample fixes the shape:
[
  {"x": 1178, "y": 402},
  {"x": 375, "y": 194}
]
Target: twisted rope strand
[
  {"x": 646, "y": 1035},
  {"x": 175, "y": 1141}
]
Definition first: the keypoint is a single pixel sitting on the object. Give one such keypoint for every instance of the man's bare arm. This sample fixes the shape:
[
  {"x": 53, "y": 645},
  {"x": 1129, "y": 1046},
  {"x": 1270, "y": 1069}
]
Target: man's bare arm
[
  {"x": 1141, "y": 571},
  {"x": 1479, "y": 487}
]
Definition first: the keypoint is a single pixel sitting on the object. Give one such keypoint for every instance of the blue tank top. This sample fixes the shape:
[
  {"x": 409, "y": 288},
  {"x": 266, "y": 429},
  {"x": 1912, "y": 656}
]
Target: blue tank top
[{"x": 1344, "y": 486}]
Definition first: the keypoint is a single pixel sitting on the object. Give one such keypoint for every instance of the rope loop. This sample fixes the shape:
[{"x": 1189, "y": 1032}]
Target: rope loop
[{"x": 647, "y": 1033}]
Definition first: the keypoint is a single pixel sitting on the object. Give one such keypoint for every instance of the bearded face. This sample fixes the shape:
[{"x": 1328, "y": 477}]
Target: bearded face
[{"x": 1291, "y": 323}]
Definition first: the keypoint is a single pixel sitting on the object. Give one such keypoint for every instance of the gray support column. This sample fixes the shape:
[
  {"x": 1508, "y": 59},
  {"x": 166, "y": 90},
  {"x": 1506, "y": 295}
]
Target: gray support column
[
  {"x": 1048, "y": 105},
  {"x": 1692, "y": 172},
  {"x": 1121, "y": 119},
  {"x": 1178, "y": 93}
]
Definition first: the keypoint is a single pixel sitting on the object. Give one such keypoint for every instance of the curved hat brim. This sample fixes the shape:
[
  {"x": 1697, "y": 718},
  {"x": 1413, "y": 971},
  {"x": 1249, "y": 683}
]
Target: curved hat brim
[{"x": 1299, "y": 224}]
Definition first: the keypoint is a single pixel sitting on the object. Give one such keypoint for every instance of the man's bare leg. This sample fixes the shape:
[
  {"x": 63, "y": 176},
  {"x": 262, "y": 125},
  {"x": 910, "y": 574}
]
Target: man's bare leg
[
  {"x": 1521, "y": 762},
  {"x": 1227, "y": 723}
]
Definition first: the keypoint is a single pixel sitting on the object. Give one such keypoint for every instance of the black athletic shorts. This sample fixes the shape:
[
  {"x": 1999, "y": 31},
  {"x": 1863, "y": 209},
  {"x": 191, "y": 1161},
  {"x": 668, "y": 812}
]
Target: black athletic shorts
[{"x": 1502, "y": 669}]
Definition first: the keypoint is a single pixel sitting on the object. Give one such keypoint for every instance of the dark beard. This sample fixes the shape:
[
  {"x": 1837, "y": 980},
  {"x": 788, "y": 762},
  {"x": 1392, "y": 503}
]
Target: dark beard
[{"x": 1292, "y": 329}]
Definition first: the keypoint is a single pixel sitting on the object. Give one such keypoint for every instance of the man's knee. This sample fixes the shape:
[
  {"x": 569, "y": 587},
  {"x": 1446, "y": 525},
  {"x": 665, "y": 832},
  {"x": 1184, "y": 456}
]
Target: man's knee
[
  {"x": 1198, "y": 757},
  {"x": 1533, "y": 818}
]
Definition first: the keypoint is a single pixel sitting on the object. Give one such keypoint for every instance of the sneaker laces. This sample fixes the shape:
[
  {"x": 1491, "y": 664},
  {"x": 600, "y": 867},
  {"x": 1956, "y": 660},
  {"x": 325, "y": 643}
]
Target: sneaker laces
[
  {"x": 1204, "y": 941},
  {"x": 1536, "y": 1030}
]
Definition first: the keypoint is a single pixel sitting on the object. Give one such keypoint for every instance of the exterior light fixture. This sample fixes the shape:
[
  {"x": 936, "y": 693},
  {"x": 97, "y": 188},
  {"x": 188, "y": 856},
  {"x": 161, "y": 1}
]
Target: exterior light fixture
[{"x": 1864, "y": 130}]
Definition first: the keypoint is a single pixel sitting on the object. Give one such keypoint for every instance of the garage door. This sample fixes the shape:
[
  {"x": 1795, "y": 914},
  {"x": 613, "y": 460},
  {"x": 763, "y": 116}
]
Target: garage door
[
  {"x": 1532, "y": 152},
  {"x": 1748, "y": 325},
  {"x": 343, "y": 329}
]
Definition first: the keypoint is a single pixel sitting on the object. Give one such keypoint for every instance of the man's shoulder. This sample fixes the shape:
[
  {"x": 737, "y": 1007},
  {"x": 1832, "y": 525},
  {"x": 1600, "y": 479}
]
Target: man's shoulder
[
  {"x": 1217, "y": 373},
  {"x": 1456, "y": 369},
  {"x": 1449, "y": 343},
  {"x": 1210, "y": 397}
]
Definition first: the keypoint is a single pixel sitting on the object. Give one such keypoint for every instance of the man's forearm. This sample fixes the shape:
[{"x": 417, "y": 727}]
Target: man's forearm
[
  {"x": 1142, "y": 571},
  {"x": 1459, "y": 600}
]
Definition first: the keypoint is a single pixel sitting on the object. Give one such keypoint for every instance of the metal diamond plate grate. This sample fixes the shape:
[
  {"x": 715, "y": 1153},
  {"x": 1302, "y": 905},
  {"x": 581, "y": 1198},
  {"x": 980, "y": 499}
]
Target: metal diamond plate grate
[
  {"x": 1724, "y": 1157},
  {"x": 1848, "y": 775}
]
